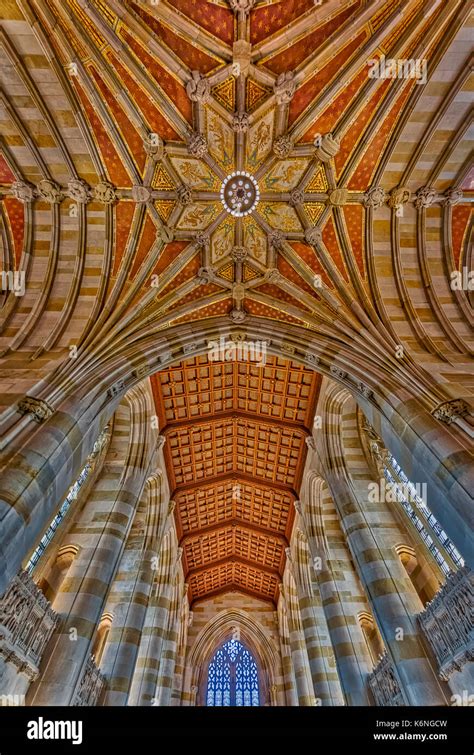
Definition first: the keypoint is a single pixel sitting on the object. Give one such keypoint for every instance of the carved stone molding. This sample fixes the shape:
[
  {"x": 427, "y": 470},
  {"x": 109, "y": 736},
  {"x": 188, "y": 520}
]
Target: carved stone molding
[
  {"x": 206, "y": 275},
  {"x": 116, "y": 389},
  {"x": 184, "y": 194},
  {"x": 198, "y": 88},
  {"x": 425, "y": 197},
  {"x": 296, "y": 197},
  {"x": 79, "y": 191},
  {"x": 282, "y": 146},
  {"x": 49, "y": 191},
  {"x": 141, "y": 194},
  {"x": 365, "y": 390},
  {"x": 165, "y": 234},
  {"x": 197, "y": 144},
  {"x": 375, "y": 197},
  {"x": 201, "y": 240},
  {"x": 398, "y": 197},
  {"x": 242, "y": 6},
  {"x": 285, "y": 87},
  {"x": 327, "y": 147},
  {"x": 105, "y": 192},
  {"x": 240, "y": 122},
  {"x": 337, "y": 372},
  {"x": 313, "y": 236},
  {"x": 26, "y": 624},
  {"x": 448, "y": 625},
  {"x": 90, "y": 687},
  {"x": 154, "y": 146},
  {"x": 311, "y": 358},
  {"x": 239, "y": 253},
  {"x": 40, "y": 410},
  {"x": 23, "y": 191},
  {"x": 384, "y": 684},
  {"x": 453, "y": 196},
  {"x": 310, "y": 443},
  {"x": 276, "y": 239},
  {"x": 449, "y": 411},
  {"x": 237, "y": 315}
]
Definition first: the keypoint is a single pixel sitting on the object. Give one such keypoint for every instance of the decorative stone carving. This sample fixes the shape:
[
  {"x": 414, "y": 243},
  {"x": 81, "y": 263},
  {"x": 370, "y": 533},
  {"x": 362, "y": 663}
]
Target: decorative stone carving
[
  {"x": 49, "y": 191},
  {"x": 190, "y": 618},
  {"x": 23, "y": 191},
  {"x": 276, "y": 239},
  {"x": 238, "y": 253},
  {"x": 39, "y": 409},
  {"x": 313, "y": 236},
  {"x": 285, "y": 87},
  {"x": 338, "y": 197},
  {"x": 241, "y": 57},
  {"x": 424, "y": 197},
  {"x": 298, "y": 507},
  {"x": 310, "y": 443},
  {"x": 201, "y": 240},
  {"x": 237, "y": 315},
  {"x": 197, "y": 144},
  {"x": 105, "y": 192},
  {"x": 449, "y": 411},
  {"x": 90, "y": 686},
  {"x": 448, "y": 625},
  {"x": 184, "y": 194},
  {"x": 141, "y": 194},
  {"x": 311, "y": 358},
  {"x": 453, "y": 196},
  {"x": 288, "y": 348},
  {"x": 205, "y": 275},
  {"x": 154, "y": 146},
  {"x": 337, "y": 372},
  {"x": 116, "y": 389},
  {"x": 384, "y": 684},
  {"x": 365, "y": 390},
  {"x": 242, "y": 6},
  {"x": 398, "y": 197},
  {"x": 240, "y": 122},
  {"x": 282, "y": 146},
  {"x": 296, "y": 197},
  {"x": 375, "y": 197},
  {"x": 198, "y": 88},
  {"x": 273, "y": 275},
  {"x": 79, "y": 191},
  {"x": 327, "y": 147},
  {"x": 165, "y": 234},
  {"x": 26, "y": 624},
  {"x": 160, "y": 442}
]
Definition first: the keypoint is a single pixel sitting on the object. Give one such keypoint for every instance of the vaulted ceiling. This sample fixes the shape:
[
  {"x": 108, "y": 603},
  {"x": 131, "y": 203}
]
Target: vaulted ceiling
[{"x": 235, "y": 452}]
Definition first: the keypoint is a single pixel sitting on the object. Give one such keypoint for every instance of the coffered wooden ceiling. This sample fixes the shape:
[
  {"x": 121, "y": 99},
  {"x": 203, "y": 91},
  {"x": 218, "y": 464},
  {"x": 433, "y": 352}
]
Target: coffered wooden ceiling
[{"x": 235, "y": 448}]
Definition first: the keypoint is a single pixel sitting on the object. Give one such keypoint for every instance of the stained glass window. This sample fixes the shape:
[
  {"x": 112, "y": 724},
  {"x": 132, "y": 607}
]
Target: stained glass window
[{"x": 233, "y": 676}]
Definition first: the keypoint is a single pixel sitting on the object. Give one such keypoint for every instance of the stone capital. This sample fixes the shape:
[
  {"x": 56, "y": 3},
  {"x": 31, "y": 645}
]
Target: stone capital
[
  {"x": 38, "y": 409},
  {"x": 449, "y": 411},
  {"x": 198, "y": 88},
  {"x": 285, "y": 87}
]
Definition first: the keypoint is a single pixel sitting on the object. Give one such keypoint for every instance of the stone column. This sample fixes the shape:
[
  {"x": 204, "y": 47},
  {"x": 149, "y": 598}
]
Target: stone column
[
  {"x": 372, "y": 534},
  {"x": 286, "y": 660},
  {"x": 297, "y": 643},
  {"x": 131, "y": 594},
  {"x": 327, "y": 688},
  {"x": 100, "y": 532},
  {"x": 336, "y": 580}
]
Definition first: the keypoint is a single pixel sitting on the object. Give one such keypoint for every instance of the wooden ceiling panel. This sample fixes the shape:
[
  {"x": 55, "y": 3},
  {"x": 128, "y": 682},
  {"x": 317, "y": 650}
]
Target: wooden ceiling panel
[{"x": 235, "y": 451}]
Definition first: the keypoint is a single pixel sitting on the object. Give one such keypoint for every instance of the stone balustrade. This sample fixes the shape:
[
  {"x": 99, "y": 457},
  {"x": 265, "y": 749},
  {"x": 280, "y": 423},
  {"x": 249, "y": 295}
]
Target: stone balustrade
[
  {"x": 90, "y": 687},
  {"x": 384, "y": 684},
  {"x": 447, "y": 623},
  {"x": 26, "y": 625}
]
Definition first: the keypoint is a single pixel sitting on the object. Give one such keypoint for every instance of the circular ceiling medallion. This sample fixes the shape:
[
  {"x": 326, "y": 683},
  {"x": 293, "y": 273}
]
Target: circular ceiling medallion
[{"x": 240, "y": 193}]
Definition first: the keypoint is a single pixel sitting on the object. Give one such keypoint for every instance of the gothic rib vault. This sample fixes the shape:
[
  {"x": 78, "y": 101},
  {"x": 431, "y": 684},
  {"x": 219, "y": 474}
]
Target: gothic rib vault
[{"x": 122, "y": 126}]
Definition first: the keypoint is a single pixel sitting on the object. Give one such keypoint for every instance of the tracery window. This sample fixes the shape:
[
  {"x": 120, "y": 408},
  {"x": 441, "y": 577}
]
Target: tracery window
[{"x": 233, "y": 677}]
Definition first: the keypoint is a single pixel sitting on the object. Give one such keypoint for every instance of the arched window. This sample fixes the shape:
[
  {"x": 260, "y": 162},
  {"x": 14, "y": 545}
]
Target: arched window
[{"x": 233, "y": 676}]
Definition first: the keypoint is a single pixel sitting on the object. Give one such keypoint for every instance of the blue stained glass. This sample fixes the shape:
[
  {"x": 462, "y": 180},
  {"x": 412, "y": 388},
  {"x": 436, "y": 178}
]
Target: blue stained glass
[{"x": 233, "y": 677}]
